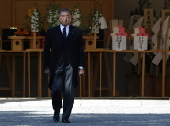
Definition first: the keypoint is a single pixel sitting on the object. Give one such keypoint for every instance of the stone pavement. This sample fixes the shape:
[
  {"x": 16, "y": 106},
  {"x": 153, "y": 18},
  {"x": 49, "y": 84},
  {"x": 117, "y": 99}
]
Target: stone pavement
[{"x": 87, "y": 112}]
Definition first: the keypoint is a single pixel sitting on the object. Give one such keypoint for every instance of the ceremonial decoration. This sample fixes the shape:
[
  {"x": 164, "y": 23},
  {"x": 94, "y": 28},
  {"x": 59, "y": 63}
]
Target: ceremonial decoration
[
  {"x": 96, "y": 20},
  {"x": 140, "y": 39},
  {"x": 139, "y": 12},
  {"x": 119, "y": 38},
  {"x": 35, "y": 21},
  {"x": 164, "y": 42},
  {"x": 30, "y": 12},
  {"x": 99, "y": 22},
  {"x": 20, "y": 32},
  {"x": 76, "y": 18},
  {"x": 114, "y": 23},
  {"x": 52, "y": 15},
  {"x": 140, "y": 43},
  {"x": 79, "y": 20},
  {"x": 148, "y": 18},
  {"x": 53, "y": 19}
]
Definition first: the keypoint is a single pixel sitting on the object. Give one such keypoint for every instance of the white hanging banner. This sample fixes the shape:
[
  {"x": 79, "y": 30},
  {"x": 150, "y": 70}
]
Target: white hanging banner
[
  {"x": 156, "y": 60},
  {"x": 118, "y": 43},
  {"x": 140, "y": 43},
  {"x": 134, "y": 59}
]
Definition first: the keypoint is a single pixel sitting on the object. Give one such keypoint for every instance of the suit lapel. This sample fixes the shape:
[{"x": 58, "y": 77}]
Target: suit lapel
[
  {"x": 70, "y": 32},
  {"x": 58, "y": 31},
  {"x": 58, "y": 34},
  {"x": 70, "y": 35}
]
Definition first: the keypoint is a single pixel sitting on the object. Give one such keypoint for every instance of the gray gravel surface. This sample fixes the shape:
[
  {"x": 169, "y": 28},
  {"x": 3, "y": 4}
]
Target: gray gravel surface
[{"x": 86, "y": 112}]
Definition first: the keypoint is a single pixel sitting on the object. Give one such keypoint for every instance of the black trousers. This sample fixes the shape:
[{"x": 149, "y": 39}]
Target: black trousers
[{"x": 63, "y": 83}]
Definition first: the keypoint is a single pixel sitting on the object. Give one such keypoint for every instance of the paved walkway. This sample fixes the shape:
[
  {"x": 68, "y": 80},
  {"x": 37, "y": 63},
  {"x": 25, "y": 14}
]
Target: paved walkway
[{"x": 86, "y": 112}]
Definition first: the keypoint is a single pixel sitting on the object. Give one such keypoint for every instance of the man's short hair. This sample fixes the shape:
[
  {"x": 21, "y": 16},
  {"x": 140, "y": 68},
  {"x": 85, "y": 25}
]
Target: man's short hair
[{"x": 65, "y": 10}]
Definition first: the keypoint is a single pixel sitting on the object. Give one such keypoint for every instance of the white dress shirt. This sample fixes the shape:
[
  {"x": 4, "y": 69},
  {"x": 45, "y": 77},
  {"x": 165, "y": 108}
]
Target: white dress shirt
[{"x": 67, "y": 29}]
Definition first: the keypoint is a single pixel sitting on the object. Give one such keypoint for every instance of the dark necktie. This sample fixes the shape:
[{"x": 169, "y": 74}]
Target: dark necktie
[{"x": 64, "y": 32}]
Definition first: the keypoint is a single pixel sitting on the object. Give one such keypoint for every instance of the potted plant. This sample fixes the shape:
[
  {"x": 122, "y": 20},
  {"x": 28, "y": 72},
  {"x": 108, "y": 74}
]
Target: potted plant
[
  {"x": 93, "y": 18},
  {"x": 35, "y": 21},
  {"x": 78, "y": 19},
  {"x": 52, "y": 16}
]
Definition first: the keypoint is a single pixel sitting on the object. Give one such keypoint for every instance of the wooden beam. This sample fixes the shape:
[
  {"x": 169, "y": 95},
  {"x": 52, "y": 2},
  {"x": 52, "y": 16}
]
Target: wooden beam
[
  {"x": 29, "y": 75},
  {"x": 114, "y": 74},
  {"x": 108, "y": 73},
  {"x": 143, "y": 74},
  {"x": 89, "y": 80},
  {"x": 24, "y": 73},
  {"x": 100, "y": 74},
  {"x": 9, "y": 70},
  {"x": 13, "y": 76},
  {"x": 139, "y": 63},
  {"x": 163, "y": 72},
  {"x": 39, "y": 74}
]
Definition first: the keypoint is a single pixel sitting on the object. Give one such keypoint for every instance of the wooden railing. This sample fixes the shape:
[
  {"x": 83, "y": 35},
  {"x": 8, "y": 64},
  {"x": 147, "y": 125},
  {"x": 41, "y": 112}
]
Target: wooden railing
[{"x": 89, "y": 68}]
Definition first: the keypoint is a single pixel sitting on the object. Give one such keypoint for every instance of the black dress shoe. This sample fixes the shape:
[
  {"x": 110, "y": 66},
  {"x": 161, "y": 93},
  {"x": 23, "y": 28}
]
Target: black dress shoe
[
  {"x": 66, "y": 121},
  {"x": 56, "y": 117}
]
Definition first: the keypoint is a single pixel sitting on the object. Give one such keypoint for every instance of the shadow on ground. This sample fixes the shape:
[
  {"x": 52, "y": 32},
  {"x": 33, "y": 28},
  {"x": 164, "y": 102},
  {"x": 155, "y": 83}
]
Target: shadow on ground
[{"x": 32, "y": 118}]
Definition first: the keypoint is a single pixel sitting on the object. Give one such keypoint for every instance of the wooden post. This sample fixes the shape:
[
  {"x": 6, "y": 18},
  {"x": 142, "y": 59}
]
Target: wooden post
[
  {"x": 39, "y": 74},
  {"x": 9, "y": 70},
  {"x": 13, "y": 76},
  {"x": 163, "y": 72},
  {"x": 89, "y": 80},
  {"x": 100, "y": 74},
  {"x": 108, "y": 73},
  {"x": 24, "y": 72},
  {"x": 114, "y": 74},
  {"x": 29, "y": 74},
  {"x": 165, "y": 14},
  {"x": 139, "y": 63},
  {"x": 34, "y": 40},
  {"x": 143, "y": 73},
  {"x": 94, "y": 41}
]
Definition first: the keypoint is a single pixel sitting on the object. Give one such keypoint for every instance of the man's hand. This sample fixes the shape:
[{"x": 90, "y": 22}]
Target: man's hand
[
  {"x": 47, "y": 71},
  {"x": 81, "y": 72}
]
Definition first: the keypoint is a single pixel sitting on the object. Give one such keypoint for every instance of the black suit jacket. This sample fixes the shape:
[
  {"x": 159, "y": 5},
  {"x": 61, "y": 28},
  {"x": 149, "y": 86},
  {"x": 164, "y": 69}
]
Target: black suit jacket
[{"x": 72, "y": 49}]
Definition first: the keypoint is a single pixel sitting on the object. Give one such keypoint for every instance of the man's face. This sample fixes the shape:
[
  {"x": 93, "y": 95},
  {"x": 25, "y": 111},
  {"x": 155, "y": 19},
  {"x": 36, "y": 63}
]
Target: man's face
[{"x": 65, "y": 18}]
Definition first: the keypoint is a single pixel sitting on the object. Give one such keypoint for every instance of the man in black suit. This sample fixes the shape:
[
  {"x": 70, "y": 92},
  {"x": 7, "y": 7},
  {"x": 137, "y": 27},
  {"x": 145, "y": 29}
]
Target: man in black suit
[{"x": 63, "y": 63}]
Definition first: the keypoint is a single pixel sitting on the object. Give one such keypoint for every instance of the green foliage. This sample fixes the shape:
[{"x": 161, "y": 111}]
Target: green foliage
[
  {"x": 74, "y": 10},
  {"x": 93, "y": 16},
  {"x": 27, "y": 25},
  {"x": 142, "y": 4},
  {"x": 52, "y": 15},
  {"x": 40, "y": 20},
  {"x": 166, "y": 4},
  {"x": 51, "y": 18}
]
